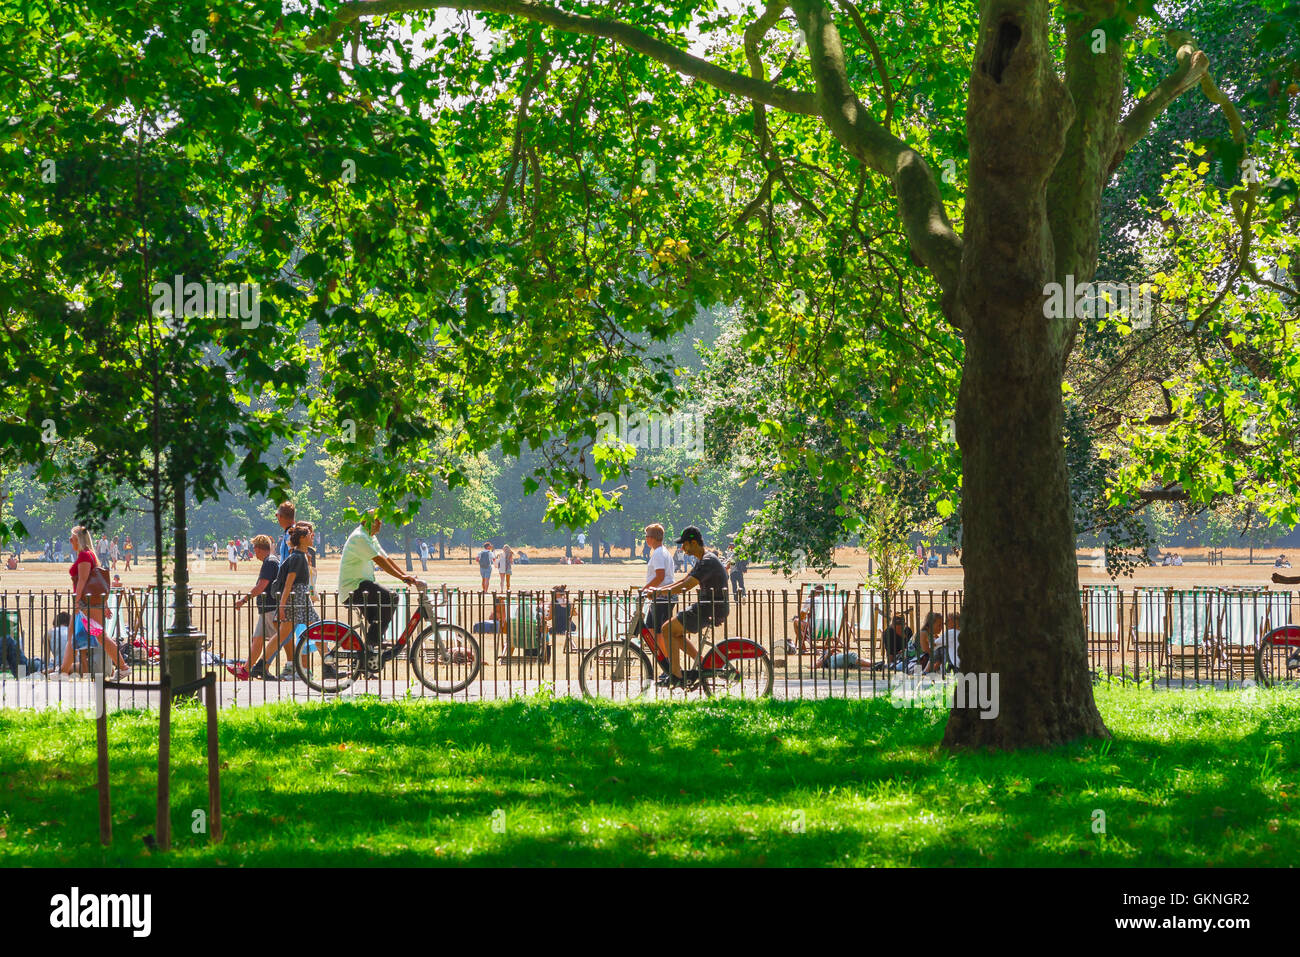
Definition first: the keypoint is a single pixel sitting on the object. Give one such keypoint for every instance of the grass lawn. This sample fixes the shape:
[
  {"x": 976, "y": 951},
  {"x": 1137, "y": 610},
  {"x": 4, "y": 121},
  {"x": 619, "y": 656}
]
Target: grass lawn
[{"x": 1191, "y": 778}]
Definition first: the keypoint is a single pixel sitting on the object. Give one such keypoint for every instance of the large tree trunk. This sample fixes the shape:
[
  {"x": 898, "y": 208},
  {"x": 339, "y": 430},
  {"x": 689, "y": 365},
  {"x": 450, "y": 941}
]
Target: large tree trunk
[{"x": 1022, "y": 621}]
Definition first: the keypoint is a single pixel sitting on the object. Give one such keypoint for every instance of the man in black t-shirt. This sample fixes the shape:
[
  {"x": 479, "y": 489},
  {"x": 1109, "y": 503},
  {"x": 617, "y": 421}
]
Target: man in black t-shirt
[{"x": 710, "y": 608}]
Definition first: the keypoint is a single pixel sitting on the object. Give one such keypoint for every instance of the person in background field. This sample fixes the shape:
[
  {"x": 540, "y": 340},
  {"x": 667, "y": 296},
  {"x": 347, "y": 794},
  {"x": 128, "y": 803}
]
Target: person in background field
[
  {"x": 424, "y": 556},
  {"x": 113, "y": 550},
  {"x": 507, "y": 565},
  {"x": 920, "y": 559},
  {"x": 232, "y": 556},
  {"x": 485, "y": 565},
  {"x": 737, "y": 574},
  {"x": 117, "y": 582},
  {"x": 101, "y": 552},
  {"x": 285, "y": 516},
  {"x": 128, "y": 553},
  {"x": 1281, "y": 562},
  {"x": 264, "y": 627}
]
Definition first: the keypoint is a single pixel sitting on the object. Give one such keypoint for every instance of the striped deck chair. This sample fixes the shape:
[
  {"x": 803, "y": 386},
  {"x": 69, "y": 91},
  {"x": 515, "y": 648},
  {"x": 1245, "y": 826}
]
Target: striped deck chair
[
  {"x": 1148, "y": 638},
  {"x": 828, "y": 623},
  {"x": 1193, "y": 619},
  {"x": 1103, "y": 613},
  {"x": 526, "y": 626},
  {"x": 1245, "y": 613},
  {"x": 869, "y": 625}
]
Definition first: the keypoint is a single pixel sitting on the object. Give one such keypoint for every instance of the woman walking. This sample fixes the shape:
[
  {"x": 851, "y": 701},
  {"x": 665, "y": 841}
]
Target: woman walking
[
  {"x": 89, "y": 590},
  {"x": 507, "y": 565},
  {"x": 292, "y": 584}
]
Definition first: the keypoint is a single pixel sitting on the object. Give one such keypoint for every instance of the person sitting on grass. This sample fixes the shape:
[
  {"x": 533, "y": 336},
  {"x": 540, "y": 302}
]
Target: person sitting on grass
[
  {"x": 842, "y": 659},
  {"x": 561, "y": 616},
  {"x": 930, "y": 633},
  {"x": 1281, "y": 562},
  {"x": 895, "y": 638},
  {"x": 946, "y": 644}
]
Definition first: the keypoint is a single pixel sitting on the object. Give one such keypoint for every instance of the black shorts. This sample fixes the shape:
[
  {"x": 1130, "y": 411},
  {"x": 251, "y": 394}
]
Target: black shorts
[
  {"x": 661, "y": 609},
  {"x": 697, "y": 617}
]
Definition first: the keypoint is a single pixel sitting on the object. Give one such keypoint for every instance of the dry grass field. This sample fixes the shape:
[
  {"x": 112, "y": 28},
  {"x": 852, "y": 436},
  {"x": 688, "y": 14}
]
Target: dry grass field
[{"x": 623, "y": 572}]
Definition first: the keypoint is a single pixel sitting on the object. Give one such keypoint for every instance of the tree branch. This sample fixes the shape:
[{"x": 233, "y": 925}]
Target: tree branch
[
  {"x": 925, "y": 221},
  {"x": 626, "y": 35},
  {"x": 1192, "y": 65}
]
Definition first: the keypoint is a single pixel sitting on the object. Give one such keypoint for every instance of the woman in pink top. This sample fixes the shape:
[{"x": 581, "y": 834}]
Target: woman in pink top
[{"x": 88, "y": 601}]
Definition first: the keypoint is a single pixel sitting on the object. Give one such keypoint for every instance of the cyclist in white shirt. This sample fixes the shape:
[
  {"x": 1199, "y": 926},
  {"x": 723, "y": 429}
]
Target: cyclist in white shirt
[
  {"x": 361, "y": 554},
  {"x": 658, "y": 571}
]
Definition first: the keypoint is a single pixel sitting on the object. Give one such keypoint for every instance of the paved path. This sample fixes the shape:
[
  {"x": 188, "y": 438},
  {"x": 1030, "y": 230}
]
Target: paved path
[{"x": 40, "y": 693}]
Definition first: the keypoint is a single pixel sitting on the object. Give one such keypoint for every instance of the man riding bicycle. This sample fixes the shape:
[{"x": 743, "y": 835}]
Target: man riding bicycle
[
  {"x": 710, "y": 608},
  {"x": 361, "y": 554}
]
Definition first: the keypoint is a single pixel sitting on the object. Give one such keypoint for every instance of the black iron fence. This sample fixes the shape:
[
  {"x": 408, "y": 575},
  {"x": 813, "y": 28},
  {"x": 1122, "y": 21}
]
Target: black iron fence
[{"x": 837, "y": 642}]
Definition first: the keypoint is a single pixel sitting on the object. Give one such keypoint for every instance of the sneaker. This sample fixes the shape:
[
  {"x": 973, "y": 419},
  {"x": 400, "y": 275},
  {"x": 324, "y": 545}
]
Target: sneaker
[
  {"x": 669, "y": 681},
  {"x": 287, "y": 673},
  {"x": 257, "y": 671}
]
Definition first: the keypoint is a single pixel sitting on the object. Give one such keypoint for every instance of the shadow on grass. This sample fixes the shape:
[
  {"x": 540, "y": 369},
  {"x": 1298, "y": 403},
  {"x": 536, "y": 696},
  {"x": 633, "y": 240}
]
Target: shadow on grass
[{"x": 565, "y": 782}]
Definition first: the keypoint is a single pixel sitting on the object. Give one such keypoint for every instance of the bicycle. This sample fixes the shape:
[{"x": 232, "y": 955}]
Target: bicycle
[
  {"x": 331, "y": 655},
  {"x": 1278, "y": 656},
  {"x": 620, "y": 669}
]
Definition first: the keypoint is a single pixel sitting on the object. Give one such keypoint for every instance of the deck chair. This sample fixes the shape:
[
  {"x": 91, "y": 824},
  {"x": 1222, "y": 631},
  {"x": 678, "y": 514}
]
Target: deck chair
[
  {"x": 11, "y": 643},
  {"x": 1194, "y": 617},
  {"x": 827, "y": 625},
  {"x": 1148, "y": 638},
  {"x": 1103, "y": 614},
  {"x": 526, "y": 627},
  {"x": 1245, "y": 616}
]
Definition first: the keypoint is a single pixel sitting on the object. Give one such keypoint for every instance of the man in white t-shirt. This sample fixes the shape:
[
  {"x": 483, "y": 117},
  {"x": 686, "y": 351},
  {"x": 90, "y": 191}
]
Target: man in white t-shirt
[
  {"x": 658, "y": 571},
  {"x": 424, "y": 556},
  {"x": 361, "y": 554}
]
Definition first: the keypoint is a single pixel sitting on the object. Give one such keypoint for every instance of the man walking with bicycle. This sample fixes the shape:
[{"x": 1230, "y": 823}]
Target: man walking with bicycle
[
  {"x": 361, "y": 554},
  {"x": 710, "y": 608}
]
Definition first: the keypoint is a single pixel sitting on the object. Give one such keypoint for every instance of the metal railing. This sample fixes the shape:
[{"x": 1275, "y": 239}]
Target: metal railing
[{"x": 832, "y": 644}]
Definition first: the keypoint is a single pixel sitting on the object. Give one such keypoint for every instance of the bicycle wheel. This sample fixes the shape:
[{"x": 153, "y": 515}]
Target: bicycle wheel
[
  {"x": 616, "y": 671},
  {"x": 329, "y": 656},
  {"x": 446, "y": 658},
  {"x": 1278, "y": 657},
  {"x": 736, "y": 668}
]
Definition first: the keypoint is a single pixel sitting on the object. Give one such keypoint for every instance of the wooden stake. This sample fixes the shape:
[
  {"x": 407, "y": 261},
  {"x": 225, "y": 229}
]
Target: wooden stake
[
  {"x": 163, "y": 825},
  {"x": 214, "y": 762},
  {"x": 101, "y": 747}
]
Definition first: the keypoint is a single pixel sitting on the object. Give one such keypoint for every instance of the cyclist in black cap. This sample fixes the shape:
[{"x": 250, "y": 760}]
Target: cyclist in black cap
[{"x": 710, "y": 608}]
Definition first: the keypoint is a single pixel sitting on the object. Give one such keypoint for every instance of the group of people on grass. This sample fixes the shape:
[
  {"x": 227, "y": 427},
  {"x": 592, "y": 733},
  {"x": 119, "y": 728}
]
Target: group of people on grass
[{"x": 928, "y": 650}]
